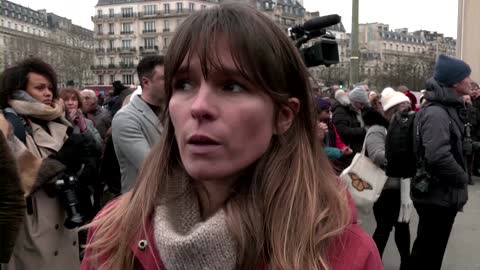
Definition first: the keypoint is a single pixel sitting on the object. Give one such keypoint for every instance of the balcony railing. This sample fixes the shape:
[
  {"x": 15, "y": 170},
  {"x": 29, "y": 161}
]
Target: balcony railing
[
  {"x": 159, "y": 13},
  {"x": 129, "y": 49},
  {"x": 99, "y": 50},
  {"x": 111, "y": 66},
  {"x": 165, "y": 30},
  {"x": 163, "y": 13},
  {"x": 126, "y": 32},
  {"x": 126, "y": 65},
  {"x": 111, "y": 33},
  {"x": 95, "y": 67},
  {"x": 149, "y": 31},
  {"x": 148, "y": 49},
  {"x": 111, "y": 50}
]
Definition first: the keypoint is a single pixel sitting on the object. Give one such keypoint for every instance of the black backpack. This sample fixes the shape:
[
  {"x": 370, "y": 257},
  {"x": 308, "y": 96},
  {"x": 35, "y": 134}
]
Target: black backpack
[{"x": 400, "y": 146}]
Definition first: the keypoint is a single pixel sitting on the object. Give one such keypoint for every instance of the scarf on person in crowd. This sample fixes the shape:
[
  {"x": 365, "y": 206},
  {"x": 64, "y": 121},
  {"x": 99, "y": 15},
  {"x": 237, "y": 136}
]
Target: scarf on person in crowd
[
  {"x": 24, "y": 104},
  {"x": 33, "y": 171},
  {"x": 22, "y": 173},
  {"x": 185, "y": 240}
]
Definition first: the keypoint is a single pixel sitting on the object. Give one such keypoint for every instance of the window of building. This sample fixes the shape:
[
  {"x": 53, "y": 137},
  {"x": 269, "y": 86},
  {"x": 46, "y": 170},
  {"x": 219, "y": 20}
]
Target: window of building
[
  {"x": 150, "y": 9},
  {"x": 112, "y": 61},
  {"x": 100, "y": 80},
  {"x": 166, "y": 42},
  {"x": 166, "y": 8},
  {"x": 22, "y": 28},
  {"x": 191, "y": 6},
  {"x": 100, "y": 13},
  {"x": 149, "y": 27},
  {"x": 126, "y": 43},
  {"x": 111, "y": 28},
  {"x": 100, "y": 28},
  {"x": 111, "y": 44},
  {"x": 166, "y": 26},
  {"x": 149, "y": 43},
  {"x": 127, "y": 60},
  {"x": 127, "y": 78},
  {"x": 100, "y": 61},
  {"x": 127, "y": 28},
  {"x": 204, "y": 6},
  {"x": 127, "y": 12},
  {"x": 112, "y": 78},
  {"x": 99, "y": 44},
  {"x": 111, "y": 12},
  {"x": 179, "y": 7}
]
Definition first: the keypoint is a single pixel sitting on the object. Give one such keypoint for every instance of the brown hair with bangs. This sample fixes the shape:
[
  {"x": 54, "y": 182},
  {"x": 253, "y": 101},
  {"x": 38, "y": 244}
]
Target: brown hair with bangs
[
  {"x": 66, "y": 93},
  {"x": 291, "y": 209}
]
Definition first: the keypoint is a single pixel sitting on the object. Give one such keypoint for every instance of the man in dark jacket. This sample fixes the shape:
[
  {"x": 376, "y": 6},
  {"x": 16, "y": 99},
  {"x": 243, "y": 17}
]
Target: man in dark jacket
[
  {"x": 441, "y": 133},
  {"x": 347, "y": 118}
]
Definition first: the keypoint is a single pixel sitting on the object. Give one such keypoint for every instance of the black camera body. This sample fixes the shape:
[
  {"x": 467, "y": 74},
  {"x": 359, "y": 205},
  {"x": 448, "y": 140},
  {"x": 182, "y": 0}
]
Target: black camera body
[
  {"x": 66, "y": 187},
  {"x": 323, "y": 52}
]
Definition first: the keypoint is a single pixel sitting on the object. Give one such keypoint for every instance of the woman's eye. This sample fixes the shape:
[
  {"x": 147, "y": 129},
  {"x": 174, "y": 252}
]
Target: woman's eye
[
  {"x": 233, "y": 87},
  {"x": 183, "y": 86}
]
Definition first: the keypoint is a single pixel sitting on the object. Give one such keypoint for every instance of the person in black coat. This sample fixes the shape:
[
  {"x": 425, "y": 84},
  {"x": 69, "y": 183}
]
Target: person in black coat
[
  {"x": 347, "y": 118},
  {"x": 441, "y": 133}
]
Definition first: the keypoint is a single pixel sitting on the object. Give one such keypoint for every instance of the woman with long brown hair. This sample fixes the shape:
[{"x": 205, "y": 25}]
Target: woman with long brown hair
[{"x": 239, "y": 180}]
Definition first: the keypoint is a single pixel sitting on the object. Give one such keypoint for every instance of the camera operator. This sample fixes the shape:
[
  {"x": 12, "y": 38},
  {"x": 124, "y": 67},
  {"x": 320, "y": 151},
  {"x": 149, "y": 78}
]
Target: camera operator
[{"x": 44, "y": 151}]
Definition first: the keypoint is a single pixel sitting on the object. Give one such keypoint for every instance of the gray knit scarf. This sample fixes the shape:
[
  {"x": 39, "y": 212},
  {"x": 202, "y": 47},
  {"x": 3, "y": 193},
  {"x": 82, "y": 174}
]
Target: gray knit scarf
[{"x": 185, "y": 241}]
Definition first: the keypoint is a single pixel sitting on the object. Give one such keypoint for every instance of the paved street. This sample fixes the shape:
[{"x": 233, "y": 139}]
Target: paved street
[{"x": 463, "y": 251}]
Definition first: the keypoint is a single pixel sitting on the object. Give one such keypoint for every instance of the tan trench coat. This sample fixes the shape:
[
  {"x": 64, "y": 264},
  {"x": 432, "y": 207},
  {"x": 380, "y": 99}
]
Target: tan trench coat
[{"x": 44, "y": 243}]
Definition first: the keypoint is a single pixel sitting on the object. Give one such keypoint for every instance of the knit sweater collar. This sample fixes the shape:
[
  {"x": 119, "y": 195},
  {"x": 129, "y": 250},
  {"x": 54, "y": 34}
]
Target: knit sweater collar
[{"x": 186, "y": 241}]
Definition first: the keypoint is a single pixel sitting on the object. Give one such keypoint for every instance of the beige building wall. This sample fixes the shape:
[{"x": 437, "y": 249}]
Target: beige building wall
[{"x": 468, "y": 40}]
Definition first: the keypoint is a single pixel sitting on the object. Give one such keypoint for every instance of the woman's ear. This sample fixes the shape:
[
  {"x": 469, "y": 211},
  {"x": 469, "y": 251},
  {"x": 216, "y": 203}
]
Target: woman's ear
[{"x": 286, "y": 115}]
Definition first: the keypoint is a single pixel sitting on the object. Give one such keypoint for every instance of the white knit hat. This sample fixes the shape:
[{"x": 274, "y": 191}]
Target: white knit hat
[{"x": 390, "y": 98}]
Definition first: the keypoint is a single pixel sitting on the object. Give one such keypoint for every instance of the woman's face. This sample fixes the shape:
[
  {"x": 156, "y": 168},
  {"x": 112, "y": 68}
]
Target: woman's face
[
  {"x": 222, "y": 124},
  {"x": 40, "y": 88},
  {"x": 71, "y": 103}
]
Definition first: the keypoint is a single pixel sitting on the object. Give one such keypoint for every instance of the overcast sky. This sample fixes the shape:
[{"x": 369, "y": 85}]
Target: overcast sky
[{"x": 433, "y": 15}]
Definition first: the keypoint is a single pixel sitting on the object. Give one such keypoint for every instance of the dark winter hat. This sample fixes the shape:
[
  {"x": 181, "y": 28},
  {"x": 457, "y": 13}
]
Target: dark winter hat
[
  {"x": 322, "y": 104},
  {"x": 449, "y": 70}
]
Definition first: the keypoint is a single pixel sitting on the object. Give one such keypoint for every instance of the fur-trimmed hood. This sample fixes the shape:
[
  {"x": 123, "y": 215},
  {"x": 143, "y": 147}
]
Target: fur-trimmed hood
[{"x": 342, "y": 98}]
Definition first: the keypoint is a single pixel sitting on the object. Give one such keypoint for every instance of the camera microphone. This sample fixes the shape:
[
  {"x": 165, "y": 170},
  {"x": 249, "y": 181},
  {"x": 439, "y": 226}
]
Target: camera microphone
[{"x": 321, "y": 22}]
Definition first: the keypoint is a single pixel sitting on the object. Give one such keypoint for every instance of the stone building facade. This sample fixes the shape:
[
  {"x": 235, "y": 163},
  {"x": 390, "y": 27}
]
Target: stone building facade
[
  {"x": 394, "y": 57},
  {"x": 26, "y": 32},
  {"x": 127, "y": 30}
]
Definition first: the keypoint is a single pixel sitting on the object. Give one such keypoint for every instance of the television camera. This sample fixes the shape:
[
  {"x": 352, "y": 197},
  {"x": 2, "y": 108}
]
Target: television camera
[{"x": 323, "y": 52}]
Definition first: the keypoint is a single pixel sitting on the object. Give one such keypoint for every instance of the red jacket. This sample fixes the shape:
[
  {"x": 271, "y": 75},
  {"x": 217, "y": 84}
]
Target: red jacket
[{"x": 356, "y": 250}]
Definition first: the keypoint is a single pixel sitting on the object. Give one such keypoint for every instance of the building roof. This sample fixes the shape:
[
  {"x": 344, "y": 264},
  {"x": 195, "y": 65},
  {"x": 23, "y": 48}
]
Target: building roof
[{"x": 397, "y": 36}]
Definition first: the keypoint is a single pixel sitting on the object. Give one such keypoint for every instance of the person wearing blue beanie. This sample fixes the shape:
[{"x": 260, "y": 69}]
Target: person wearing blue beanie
[
  {"x": 440, "y": 145},
  {"x": 451, "y": 71}
]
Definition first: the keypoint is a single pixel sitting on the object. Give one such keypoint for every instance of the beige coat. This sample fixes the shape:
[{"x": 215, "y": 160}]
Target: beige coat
[{"x": 44, "y": 243}]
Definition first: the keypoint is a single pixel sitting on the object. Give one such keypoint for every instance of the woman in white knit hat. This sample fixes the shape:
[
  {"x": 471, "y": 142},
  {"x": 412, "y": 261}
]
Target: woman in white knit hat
[{"x": 387, "y": 209}]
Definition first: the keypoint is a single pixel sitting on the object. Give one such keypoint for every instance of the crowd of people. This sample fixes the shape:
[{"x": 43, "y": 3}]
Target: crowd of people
[{"x": 224, "y": 158}]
